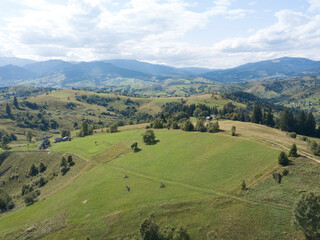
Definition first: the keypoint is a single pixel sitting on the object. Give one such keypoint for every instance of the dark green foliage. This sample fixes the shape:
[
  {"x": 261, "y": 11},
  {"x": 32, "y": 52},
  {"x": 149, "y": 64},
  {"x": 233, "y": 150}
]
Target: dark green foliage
[
  {"x": 256, "y": 116},
  {"x": 29, "y": 136},
  {"x": 40, "y": 182},
  {"x": 243, "y": 186},
  {"x": 65, "y": 133},
  {"x": 200, "y": 127},
  {"x": 293, "y": 151},
  {"x": 187, "y": 126},
  {"x": 42, "y": 167},
  {"x": 33, "y": 170},
  {"x": 293, "y": 135},
  {"x": 70, "y": 161},
  {"x": 157, "y": 123},
  {"x": 285, "y": 172},
  {"x": 8, "y": 111},
  {"x": 306, "y": 215},
  {"x": 310, "y": 125},
  {"x": 149, "y": 230},
  {"x": 148, "y": 137},
  {"x": 233, "y": 131},
  {"x": 287, "y": 121},
  {"x": 270, "y": 118},
  {"x": 64, "y": 170},
  {"x": 134, "y": 146},
  {"x": 70, "y": 105},
  {"x": 26, "y": 189},
  {"x": 315, "y": 148},
  {"x": 213, "y": 127},
  {"x": 6, "y": 202},
  {"x": 63, "y": 162},
  {"x": 114, "y": 128},
  {"x": 5, "y": 140},
  {"x": 15, "y": 102},
  {"x": 86, "y": 129},
  {"x": 175, "y": 125},
  {"x": 283, "y": 159},
  {"x": 277, "y": 177},
  {"x": 29, "y": 198}
]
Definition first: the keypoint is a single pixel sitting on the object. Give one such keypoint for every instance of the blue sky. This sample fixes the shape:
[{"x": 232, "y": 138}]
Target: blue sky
[{"x": 207, "y": 33}]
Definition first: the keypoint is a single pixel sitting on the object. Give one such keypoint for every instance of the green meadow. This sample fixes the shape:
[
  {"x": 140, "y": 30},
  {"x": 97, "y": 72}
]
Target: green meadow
[{"x": 202, "y": 173}]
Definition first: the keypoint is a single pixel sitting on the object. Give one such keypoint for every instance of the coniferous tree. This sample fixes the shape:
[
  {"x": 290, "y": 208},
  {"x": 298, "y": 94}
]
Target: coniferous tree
[
  {"x": 310, "y": 125},
  {"x": 301, "y": 119},
  {"x": 256, "y": 114},
  {"x": 270, "y": 120},
  {"x": 293, "y": 151},
  {"x": 283, "y": 159},
  {"x": 15, "y": 102},
  {"x": 8, "y": 111},
  {"x": 287, "y": 121}
]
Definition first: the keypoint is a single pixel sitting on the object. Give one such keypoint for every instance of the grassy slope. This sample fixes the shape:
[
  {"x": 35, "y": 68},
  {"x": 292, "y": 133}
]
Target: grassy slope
[{"x": 202, "y": 173}]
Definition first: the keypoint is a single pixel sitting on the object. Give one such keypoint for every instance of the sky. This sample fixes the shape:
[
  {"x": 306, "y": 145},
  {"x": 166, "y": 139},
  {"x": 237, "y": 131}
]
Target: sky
[{"x": 182, "y": 33}]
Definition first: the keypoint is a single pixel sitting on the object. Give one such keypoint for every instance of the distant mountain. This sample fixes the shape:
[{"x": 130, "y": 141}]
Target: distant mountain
[
  {"x": 20, "y": 62},
  {"x": 196, "y": 70},
  {"x": 97, "y": 72},
  {"x": 266, "y": 70},
  {"x": 50, "y": 66},
  {"x": 9, "y": 73},
  {"x": 149, "y": 68}
]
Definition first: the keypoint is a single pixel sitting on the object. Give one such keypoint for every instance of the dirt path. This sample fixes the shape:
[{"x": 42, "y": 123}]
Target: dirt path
[
  {"x": 200, "y": 189},
  {"x": 303, "y": 154}
]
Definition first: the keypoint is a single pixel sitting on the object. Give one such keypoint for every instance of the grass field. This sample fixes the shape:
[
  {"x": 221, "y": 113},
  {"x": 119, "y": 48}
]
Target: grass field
[{"x": 202, "y": 173}]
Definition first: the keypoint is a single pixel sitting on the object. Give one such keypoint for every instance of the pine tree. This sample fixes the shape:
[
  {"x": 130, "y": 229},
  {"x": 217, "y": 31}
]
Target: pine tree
[
  {"x": 283, "y": 159},
  {"x": 256, "y": 116},
  {"x": 15, "y": 102},
  {"x": 269, "y": 120},
  {"x": 8, "y": 111},
  {"x": 301, "y": 119},
  {"x": 287, "y": 121},
  {"x": 310, "y": 125},
  {"x": 293, "y": 151}
]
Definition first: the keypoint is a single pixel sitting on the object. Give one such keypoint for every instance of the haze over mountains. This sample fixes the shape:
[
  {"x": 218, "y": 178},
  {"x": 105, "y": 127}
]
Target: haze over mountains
[{"x": 15, "y": 71}]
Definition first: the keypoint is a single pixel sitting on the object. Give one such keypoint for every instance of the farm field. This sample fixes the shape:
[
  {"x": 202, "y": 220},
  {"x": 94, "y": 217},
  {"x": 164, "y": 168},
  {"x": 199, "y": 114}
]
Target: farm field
[{"x": 202, "y": 187}]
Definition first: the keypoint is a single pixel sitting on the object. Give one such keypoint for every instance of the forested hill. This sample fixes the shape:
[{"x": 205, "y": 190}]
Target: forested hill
[{"x": 58, "y": 73}]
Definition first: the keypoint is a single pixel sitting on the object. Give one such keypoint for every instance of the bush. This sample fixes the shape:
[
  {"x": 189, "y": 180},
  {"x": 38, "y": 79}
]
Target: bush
[
  {"x": 42, "y": 167},
  {"x": 175, "y": 125},
  {"x": 306, "y": 215},
  {"x": 64, "y": 170},
  {"x": 40, "y": 182},
  {"x": 70, "y": 161},
  {"x": 213, "y": 127},
  {"x": 157, "y": 123},
  {"x": 29, "y": 199},
  {"x": 293, "y": 135},
  {"x": 285, "y": 172},
  {"x": 283, "y": 159},
  {"x": 187, "y": 126},
  {"x": 233, "y": 131},
  {"x": 293, "y": 151},
  {"x": 114, "y": 128},
  {"x": 148, "y": 137},
  {"x": 33, "y": 170},
  {"x": 200, "y": 126},
  {"x": 6, "y": 202},
  {"x": 63, "y": 162},
  {"x": 134, "y": 146}
]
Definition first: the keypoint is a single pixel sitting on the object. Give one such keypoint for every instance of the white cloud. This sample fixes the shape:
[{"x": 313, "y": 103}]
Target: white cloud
[{"x": 314, "y": 5}]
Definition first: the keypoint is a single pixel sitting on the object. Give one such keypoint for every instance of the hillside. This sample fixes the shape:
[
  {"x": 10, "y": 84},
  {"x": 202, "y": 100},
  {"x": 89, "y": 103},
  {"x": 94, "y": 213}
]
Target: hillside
[{"x": 202, "y": 186}]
